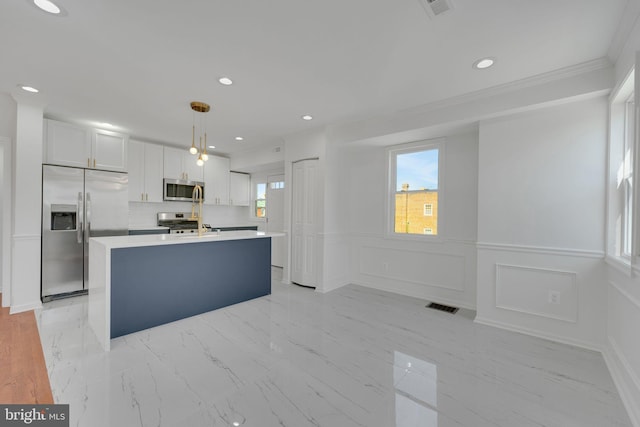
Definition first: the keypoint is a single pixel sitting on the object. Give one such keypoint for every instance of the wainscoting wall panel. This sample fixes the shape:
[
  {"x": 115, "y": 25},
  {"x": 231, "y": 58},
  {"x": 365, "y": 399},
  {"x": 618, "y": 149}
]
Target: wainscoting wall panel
[
  {"x": 556, "y": 295},
  {"x": 443, "y": 271},
  {"x": 539, "y": 291},
  {"x": 421, "y": 267},
  {"x": 623, "y": 350}
]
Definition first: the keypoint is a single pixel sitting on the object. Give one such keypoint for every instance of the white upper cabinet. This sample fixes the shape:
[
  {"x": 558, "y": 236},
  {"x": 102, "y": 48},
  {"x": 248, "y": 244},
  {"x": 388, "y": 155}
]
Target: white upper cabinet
[
  {"x": 145, "y": 172},
  {"x": 153, "y": 161},
  {"x": 67, "y": 144},
  {"x": 191, "y": 168},
  {"x": 216, "y": 181},
  {"x": 109, "y": 150},
  {"x": 173, "y": 163},
  {"x": 136, "y": 171},
  {"x": 180, "y": 164},
  {"x": 71, "y": 145},
  {"x": 239, "y": 189}
]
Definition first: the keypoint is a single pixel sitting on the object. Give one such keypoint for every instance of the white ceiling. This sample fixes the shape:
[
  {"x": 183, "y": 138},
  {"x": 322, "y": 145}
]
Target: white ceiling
[{"x": 138, "y": 63}]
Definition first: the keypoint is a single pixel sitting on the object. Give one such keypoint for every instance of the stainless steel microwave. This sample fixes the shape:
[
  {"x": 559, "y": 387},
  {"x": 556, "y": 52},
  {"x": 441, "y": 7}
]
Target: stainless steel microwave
[{"x": 180, "y": 190}]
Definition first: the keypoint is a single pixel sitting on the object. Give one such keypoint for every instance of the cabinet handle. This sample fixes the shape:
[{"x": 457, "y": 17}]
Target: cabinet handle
[
  {"x": 147, "y": 197},
  {"x": 141, "y": 196},
  {"x": 94, "y": 163},
  {"x": 88, "y": 162}
]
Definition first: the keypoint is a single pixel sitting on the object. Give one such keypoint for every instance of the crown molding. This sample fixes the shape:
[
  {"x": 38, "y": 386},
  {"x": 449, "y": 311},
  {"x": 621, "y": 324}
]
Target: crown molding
[{"x": 539, "y": 79}]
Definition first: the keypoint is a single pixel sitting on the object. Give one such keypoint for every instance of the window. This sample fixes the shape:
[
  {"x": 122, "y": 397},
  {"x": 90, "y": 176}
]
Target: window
[
  {"x": 277, "y": 185},
  {"x": 627, "y": 176},
  {"x": 621, "y": 225},
  {"x": 414, "y": 179},
  {"x": 261, "y": 200}
]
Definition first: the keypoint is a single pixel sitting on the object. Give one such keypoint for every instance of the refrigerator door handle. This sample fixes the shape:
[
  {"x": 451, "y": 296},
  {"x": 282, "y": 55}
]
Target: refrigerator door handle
[
  {"x": 87, "y": 228},
  {"x": 79, "y": 228}
]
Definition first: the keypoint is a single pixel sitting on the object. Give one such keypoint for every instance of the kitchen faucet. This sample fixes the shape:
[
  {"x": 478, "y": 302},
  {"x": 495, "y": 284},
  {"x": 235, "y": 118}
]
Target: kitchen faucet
[{"x": 197, "y": 195}]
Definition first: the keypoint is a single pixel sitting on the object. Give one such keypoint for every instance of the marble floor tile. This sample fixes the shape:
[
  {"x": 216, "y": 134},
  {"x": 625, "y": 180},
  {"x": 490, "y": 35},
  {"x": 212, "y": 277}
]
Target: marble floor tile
[{"x": 351, "y": 357}]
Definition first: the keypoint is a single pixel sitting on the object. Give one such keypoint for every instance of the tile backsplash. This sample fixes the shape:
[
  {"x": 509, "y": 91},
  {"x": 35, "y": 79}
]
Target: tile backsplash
[{"x": 145, "y": 214}]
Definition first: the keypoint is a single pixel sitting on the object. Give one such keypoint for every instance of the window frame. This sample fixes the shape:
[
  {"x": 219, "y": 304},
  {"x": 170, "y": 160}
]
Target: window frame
[
  {"x": 254, "y": 198},
  {"x": 411, "y": 147},
  {"x": 620, "y": 253},
  {"x": 629, "y": 171}
]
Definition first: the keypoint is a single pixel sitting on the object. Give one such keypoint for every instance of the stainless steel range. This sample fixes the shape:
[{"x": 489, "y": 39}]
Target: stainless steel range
[{"x": 178, "y": 222}]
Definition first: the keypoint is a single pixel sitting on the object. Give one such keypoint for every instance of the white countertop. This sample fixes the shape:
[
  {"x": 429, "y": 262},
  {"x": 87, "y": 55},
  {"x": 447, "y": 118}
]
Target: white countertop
[{"x": 176, "y": 239}]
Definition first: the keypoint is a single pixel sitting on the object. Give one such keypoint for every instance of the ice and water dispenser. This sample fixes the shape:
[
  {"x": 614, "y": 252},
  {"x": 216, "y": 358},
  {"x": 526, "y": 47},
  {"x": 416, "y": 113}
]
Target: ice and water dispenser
[{"x": 63, "y": 217}]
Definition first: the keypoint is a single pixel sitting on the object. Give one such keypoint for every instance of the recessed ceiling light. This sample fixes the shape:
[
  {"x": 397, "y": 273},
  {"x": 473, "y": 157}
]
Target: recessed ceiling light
[
  {"x": 47, "y": 6},
  {"x": 108, "y": 125},
  {"x": 29, "y": 88},
  {"x": 483, "y": 63},
  {"x": 212, "y": 146},
  {"x": 239, "y": 138},
  {"x": 307, "y": 117},
  {"x": 225, "y": 81}
]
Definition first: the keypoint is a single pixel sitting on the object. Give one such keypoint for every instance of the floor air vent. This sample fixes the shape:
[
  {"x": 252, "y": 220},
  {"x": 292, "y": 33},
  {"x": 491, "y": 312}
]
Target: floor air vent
[{"x": 442, "y": 307}]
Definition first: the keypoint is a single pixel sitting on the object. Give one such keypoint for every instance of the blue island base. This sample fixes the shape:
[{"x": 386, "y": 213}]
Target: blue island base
[{"x": 154, "y": 285}]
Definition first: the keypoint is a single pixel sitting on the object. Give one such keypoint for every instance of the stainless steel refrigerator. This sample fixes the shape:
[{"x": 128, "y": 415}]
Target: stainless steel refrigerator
[{"x": 77, "y": 204}]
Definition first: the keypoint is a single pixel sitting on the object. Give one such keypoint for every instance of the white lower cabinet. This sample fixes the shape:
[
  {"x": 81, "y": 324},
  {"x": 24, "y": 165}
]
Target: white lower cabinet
[{"x": 239, "y": 189}]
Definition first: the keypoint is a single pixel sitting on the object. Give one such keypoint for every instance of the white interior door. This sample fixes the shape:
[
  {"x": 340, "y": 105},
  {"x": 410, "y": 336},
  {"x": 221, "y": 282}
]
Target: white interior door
[
  {"x": 275, "y": 218},
  {"x": 304, "y": 222}
]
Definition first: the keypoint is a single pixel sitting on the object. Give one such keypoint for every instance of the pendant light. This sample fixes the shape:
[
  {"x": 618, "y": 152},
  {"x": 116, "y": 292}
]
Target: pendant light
[{"x": 201, "y": 150}]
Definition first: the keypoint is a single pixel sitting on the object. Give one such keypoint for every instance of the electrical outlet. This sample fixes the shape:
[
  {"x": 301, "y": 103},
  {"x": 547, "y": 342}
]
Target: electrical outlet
[{"x": 554, "y": 297}]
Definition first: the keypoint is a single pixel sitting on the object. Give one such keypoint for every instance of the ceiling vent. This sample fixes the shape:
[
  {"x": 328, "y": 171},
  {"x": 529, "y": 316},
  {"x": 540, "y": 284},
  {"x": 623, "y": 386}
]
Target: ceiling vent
[{"x": 436, "y": 7}]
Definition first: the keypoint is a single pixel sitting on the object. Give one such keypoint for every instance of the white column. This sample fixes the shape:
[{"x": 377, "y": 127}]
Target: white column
[{"x": 27, "y": 198}]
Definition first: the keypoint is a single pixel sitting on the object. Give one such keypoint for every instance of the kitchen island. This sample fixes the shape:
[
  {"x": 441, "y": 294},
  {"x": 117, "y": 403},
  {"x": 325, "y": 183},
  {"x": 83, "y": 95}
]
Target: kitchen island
[{"x": 138, "y": 282}]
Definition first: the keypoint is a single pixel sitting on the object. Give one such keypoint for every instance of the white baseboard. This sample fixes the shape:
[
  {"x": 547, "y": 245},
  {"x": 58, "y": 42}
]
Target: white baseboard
[
  {"x": 563, "y": 340},
  {"x": 25, "y": 307},
  {"x": 431, "y": 298},
  {"x": 624, "y": 380}
]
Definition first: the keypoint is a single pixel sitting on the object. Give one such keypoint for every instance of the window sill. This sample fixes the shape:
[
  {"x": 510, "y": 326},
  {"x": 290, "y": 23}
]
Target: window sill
[
  {"x": 423, "y": 238},
  {"x": 622, "y": 265}
]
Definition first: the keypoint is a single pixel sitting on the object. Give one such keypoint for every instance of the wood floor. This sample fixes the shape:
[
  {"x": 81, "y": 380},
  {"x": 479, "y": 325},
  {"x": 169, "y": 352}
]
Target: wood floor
[{"x": 23, "y": 372}]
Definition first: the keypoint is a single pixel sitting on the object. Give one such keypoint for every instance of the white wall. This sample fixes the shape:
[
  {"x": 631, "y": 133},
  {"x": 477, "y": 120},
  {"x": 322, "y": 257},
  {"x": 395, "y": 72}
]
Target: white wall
[
  {"x": 27, "y": 194},
  {"x": 442, "y": 271},
  {"x": 7, "y": 116},
  {"x": 623, "y": 344},
  {"x": 265, "y": 158},
  {"x": 541, "y": 205},
  {"x": 623, "y": 310},
  {"x": 335, "y": 239},
  {"x": 7, "y": 134}
]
